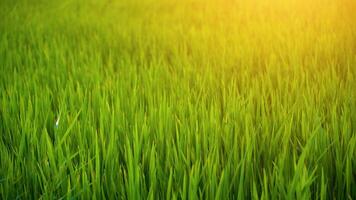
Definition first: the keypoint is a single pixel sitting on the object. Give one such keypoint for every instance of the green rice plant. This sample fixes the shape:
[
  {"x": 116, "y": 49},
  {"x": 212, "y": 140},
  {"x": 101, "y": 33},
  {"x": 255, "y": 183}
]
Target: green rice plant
[{"x": 191, "y": 99}]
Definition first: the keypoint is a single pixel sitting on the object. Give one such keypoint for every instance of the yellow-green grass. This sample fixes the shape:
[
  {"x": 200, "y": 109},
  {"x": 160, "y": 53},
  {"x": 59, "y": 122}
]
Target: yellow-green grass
[{"x": 190, "y": 99}]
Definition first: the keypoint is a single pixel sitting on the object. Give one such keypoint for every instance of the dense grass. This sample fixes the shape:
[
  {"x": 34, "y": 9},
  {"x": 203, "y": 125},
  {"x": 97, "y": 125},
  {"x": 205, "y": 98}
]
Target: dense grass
[{"x": 191, "y": 99}]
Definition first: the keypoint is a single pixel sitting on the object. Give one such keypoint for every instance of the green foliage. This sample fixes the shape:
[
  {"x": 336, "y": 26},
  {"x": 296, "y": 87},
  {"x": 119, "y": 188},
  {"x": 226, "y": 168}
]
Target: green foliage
[{"x": 193, "y": 99}]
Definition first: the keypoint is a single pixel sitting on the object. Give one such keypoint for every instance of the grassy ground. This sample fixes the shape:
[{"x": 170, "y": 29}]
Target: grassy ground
[{"x": 203, "y": 99}]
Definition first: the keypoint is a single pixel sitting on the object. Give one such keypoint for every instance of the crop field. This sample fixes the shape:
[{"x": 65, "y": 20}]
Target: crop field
[{"x": 168, "y": 99}]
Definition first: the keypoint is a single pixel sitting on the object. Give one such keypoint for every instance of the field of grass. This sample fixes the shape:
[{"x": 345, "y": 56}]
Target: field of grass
[{"x": 168, "y": 99}]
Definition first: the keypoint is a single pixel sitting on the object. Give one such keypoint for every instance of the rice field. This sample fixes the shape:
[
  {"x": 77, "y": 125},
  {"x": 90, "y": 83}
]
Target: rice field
[{"x": 168, "y": 99}]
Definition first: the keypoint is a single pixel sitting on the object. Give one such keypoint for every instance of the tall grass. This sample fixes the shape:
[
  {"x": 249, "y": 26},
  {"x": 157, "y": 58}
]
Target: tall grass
[{"x": 178, "y": 99}]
